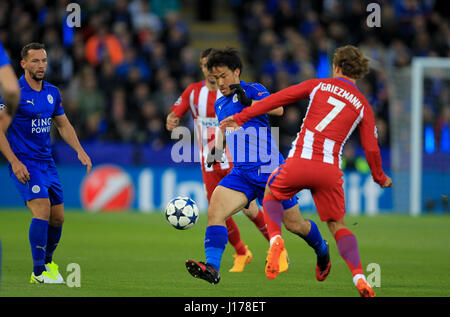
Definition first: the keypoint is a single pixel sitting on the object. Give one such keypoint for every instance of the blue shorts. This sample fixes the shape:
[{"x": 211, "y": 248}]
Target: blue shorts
[
  {"x": 252, "y": 184},
  {"x": 44, "y": 181}
]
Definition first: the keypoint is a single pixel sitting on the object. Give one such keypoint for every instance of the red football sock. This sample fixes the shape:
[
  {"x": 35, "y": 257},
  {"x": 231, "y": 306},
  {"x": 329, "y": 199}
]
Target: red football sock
[
  {"x": 273, "y": 214},
  {"x": 234, "y": 236},
  {"x": 260, "y": 223},
  {"x": 348, "y": 249}
]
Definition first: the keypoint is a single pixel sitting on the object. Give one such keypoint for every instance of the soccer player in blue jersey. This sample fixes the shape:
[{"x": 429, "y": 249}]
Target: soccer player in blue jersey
[
  {"x": 31, "y": 166},
  {"x": 255, "y": 156}
]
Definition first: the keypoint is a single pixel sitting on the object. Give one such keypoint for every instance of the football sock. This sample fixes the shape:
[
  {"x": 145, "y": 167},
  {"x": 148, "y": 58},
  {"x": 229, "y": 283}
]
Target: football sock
[
  {"x": 235, "y": 237},
  {"x": 348, "y": 249},
  {"x": 216, "y": 238},
  {"x": 38, "y": 241},
  {"x": 260, "y": 223},
  {"x": 53, "y": 237},
  {"x": 273, "y": 214},
  {"x": 315, "y": 240}
]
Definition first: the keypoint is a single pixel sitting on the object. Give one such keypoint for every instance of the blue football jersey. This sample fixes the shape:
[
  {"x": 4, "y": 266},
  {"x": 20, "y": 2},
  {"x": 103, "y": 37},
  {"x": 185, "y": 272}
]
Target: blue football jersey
[
  {"x": 3, "y": 57},
  {"x": 29, "y": 132},
  {"x": 252, "y": 145}
]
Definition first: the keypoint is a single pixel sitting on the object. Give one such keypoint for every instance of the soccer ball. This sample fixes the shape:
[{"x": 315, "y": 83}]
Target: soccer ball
[{"x": 182, "y": 213}]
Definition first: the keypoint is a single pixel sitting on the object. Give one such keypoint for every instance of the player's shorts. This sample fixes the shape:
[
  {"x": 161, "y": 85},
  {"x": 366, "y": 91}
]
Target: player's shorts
[
  {"x": 44, "y": 181},
  {"x": 324, "y": 180},
  {"x": 252, "y": 183},
  {"x": 211, "y": 179}
]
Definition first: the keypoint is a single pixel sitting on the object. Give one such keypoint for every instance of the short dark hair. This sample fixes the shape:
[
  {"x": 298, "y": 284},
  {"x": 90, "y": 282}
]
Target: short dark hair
[
  {"x": 206, "y": 52},
  {"x": 228, "y": 57},
  {"x": 31, "y": 46},
  {"x": 352, "y": 61}
]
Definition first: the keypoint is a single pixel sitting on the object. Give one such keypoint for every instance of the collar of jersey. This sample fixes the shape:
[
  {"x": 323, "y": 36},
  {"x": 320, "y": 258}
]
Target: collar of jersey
[
  {"x": 23, "y": 83},
  {"x": 347, "y": 81}
]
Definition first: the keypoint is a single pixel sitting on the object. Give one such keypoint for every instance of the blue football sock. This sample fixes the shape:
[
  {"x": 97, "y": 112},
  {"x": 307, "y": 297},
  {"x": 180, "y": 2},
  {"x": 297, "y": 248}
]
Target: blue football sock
[
  {"x": 315, "y": 240},
  {"x": 53, "y": 236},
  {"x": 38, "y": 241},
  {"x": 216, "y": 238}
]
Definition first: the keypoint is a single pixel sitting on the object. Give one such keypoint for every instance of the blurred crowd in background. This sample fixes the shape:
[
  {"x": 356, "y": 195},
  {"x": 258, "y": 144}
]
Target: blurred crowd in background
[
  {"x": 288, "y": 42},
  {"x": 121, "y": 71}
]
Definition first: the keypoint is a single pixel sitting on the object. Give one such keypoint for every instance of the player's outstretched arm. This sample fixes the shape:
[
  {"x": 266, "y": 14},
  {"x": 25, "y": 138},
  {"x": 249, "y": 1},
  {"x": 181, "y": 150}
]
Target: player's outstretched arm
[
  {"x": 283, "y": 97},
  {"x": 69, "y": 135},
  {"x": 369, "y": 141}
]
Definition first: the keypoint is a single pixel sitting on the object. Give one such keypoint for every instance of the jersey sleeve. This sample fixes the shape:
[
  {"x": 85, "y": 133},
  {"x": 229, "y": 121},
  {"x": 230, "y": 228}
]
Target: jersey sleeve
[
  {"x": 59, "y": 110},
  {"x": 257, "y": 91},
  {"x": 281, "y": 98},
  {"x": 369, "y": 141},
  {"x": 181, "y": 106}
]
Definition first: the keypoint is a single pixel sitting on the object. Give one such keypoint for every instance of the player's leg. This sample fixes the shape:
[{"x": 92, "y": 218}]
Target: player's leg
[
  {"x": 56, "y": 218},
  {"x": 224, "y": 203},
  {"x": 347, "y": 245},
  {"x": 40, "y": 210},
  {"x": 329, "y": 199},
  {"x": 257, "y": 217},
  {"x": 308, "y": 231},
  {"x": 242, "y": 256},
  {"x": 53, "y": 237},
  {"x": 280, "y": 205},
  {"x": 54, "y": 230}
]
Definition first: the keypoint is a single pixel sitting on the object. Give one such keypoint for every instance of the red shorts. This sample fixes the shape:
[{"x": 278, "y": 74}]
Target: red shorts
[
  {"x": 211, "y": 179},
  {"x": 324, "y": 180}
]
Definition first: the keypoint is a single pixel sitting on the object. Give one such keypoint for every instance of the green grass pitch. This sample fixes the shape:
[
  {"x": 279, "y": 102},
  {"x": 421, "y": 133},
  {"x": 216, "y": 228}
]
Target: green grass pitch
[{"x": 134, "y": 255}]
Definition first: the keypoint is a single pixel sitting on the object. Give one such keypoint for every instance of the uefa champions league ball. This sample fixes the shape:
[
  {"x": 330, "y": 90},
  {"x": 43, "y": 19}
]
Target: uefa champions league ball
[{"x": 182, "y": 213}]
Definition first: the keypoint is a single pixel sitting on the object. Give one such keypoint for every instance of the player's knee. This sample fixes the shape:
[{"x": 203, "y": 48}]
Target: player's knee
[
  {"x": 295, "y": 223},
  {"x": 252, "y": 210},
  {"x": 214, "y": 216},
  {"x": 301, "y": 226},
  {"x": 56, "y": 220}
]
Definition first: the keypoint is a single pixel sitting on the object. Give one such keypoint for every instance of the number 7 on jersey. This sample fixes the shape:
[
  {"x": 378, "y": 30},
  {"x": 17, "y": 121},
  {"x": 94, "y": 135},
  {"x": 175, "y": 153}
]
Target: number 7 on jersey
[{"x": 338, "y": 106}]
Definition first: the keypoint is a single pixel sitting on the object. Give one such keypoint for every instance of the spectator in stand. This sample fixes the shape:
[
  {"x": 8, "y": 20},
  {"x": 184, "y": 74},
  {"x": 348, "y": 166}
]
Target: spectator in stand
[
  {"x": 132, "y": 60},
  {"x": 103, "y": 45},
  {"x": 91, "y": 104}
]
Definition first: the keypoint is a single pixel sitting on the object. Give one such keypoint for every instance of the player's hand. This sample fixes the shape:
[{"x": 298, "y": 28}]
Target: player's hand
[
  {"x": 215, "y": 156},
  {"x": 85, "y": 160},
  {"x": 172, "y": 121},
  {"x": 387, "y": 183},
  {"x": 242, "y": 96},
  {"x": 21, "y": 171},
  {"x": 229, "y": 124}
]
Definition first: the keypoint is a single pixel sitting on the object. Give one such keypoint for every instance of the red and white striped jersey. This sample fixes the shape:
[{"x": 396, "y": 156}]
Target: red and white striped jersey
[
  {"x": 199, "y": 100},
  {"x": 336, "y": 108}
]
